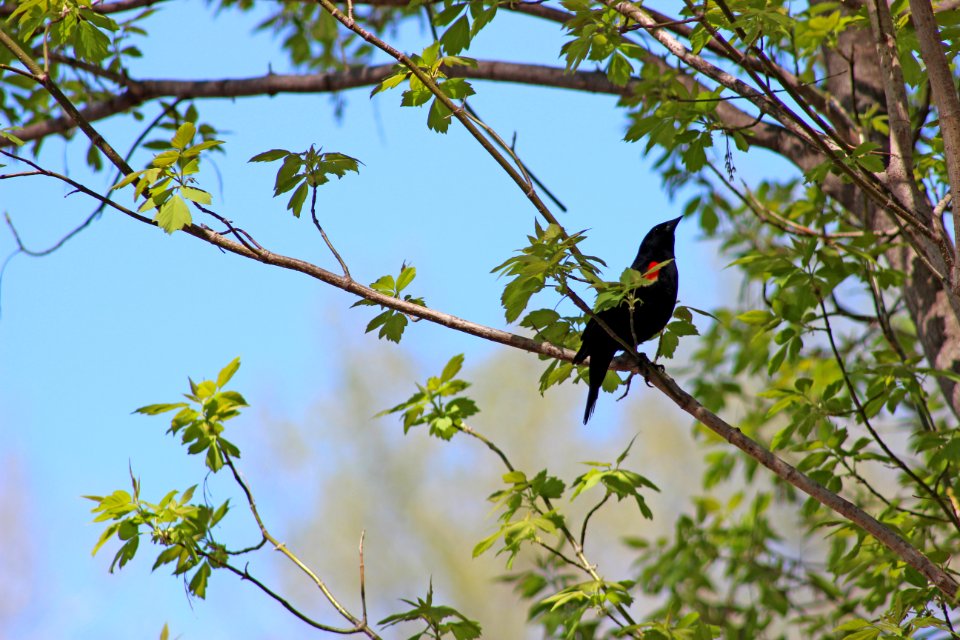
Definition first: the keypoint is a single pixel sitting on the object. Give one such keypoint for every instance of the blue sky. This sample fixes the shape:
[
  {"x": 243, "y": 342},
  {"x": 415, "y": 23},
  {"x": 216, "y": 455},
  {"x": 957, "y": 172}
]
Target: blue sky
[{"x": 122, "y": 314}]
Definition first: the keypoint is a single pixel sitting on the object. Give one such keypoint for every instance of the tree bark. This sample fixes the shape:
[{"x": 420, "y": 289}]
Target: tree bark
[{"x": 856, "y": 78}]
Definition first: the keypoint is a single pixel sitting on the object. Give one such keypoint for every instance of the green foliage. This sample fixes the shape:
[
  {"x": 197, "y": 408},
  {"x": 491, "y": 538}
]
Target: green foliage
[
  {"x": 70, "y": 24},
  {"x": 166, "y": 185},
  {"x": 201, "y": 420},
  {"x": 423, "y": 610},
  {"x": 431, "y": 64},
  {"x": 521, "y": 495},
  {"x": 596, "y": 36},
  {"x": 438, "y": 403},
  {"x": 181, "y": 528},
  {"x": 548, "y": 257},
  {"x": 618, "y": 482},
  {"x": 681, "y": 326},
  {"x": 391, "y": 322},
  {"x": 305, "y": 170},
  {"x": 561, "y": 331}
]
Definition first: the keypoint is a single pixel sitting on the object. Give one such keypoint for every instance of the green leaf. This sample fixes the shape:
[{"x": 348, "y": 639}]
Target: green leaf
[
  {"x": 452, "y": 368},
  {"x": 439, "y": 117},
  {"x": 295, "y": 204},
  {"x": 173, "y": 215},
  {"x": 517, "y": 294},
  {"x": 756, "y": 317},
  {"x": 165, "y": 159},
  {"x": 198, "y": 583},
  {"x": 90, "y": 43},
  {"x": 105, "y": 536},
  {"x": 154, "y": 409},
  {"x": 390, "y": 81},
  {"x": 619, "y": 70},
  {"x": 203, "y": 146},
  {"x": 407, "y": 274},
  {"x": 393, "y": 328},
  {"x": 227, "y": 372},
  {"x": 196, "y": 195},
  {"x": 417, "y": 95},
  {"x": 287, "y": 175},
  {"x": 457, "y": 88},
  {"x": 457, "y": 37},
  {"x": 128, "y": 179},
  {"x": 184, "y": 136},
  {"x": 270, "y": 156}
]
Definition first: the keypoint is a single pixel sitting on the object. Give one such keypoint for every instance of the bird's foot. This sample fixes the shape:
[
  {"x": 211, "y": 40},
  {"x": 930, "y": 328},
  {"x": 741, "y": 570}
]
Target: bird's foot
[
  {"x": 627, "y": 390},
  {"x": 659, "y": 367}
]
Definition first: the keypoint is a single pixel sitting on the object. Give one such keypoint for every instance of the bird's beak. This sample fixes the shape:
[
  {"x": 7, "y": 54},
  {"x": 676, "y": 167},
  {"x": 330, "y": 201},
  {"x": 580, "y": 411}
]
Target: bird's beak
[{"x": 673, "y": 223}]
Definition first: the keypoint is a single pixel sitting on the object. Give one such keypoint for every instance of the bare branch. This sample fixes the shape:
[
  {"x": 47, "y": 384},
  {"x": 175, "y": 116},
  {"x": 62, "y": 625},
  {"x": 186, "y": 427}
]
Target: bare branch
[
  {"x": 359, "y": 626},
  {"x": 246, "y": 575}
]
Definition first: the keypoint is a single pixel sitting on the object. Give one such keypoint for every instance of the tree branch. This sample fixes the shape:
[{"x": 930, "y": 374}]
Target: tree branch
[
  {"x": 117, "y": 6},
  {"x": 359, "y": 626},
  {"x": 886, "y": 536},
  {"x": 944, "y": 90}
]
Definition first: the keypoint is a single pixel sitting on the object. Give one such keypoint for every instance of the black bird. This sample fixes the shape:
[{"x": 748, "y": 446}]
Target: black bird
[{"x": 651, "y": 313}]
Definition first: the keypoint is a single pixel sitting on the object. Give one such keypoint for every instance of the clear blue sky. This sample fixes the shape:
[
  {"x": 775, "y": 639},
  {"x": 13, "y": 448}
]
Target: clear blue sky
[{"x": 122, "y": 314}]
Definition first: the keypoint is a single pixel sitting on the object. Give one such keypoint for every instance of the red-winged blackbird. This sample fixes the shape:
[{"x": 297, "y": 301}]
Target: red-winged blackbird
[{"x": 652, "y": 310}]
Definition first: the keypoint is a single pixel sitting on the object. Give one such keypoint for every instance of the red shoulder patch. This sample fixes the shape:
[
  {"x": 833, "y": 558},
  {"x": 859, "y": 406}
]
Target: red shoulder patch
[{"x": 652, "y": 276}]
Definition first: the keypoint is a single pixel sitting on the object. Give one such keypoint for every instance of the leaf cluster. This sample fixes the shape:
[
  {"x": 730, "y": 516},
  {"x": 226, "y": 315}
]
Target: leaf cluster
[
  {"x": 71, "y": 24},
  {"x": 441, "y": 621},
  {"x": 521, "y": 495},
  {"x": 182, "y": 528},
  {"x": 616, "y": 481},
  {"x": 391, "y": 322},
  {"x": 167, "y": 184},
  {"x": 305, "y": 170},
  {"x": 201, "y": 421},
  {"x": 438, "y": 403},
  {"x": 431, "y": 64},
  {"x": 547, "y": 258}
]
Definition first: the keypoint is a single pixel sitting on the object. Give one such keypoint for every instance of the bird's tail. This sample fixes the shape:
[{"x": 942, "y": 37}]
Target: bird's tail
[{"x": 599, "y": 363}]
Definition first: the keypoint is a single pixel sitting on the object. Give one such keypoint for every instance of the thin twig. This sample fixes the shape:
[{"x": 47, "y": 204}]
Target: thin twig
[
  {"x": 245, "y": 238},
  {"x": 363, "y": 584},
  {"x": 359, "y": 625},
  {"x": 559, "y": 554},
  {"x": 869, "y": 487},
  {"x": 886, "y": 327},
  {"x": 493, "y": 447},
  {"x": 246, "y": 575},
  {"x": 250, "y": 549},
  {"x": 873, "y": 432},
  {"x": 21, "y": 72},
  {"x": 313, "y": 213},
  {"x": 946, "y": 618},
  {"x": 78, "y": 186},
  {"x": 586, "y": 520},
  {"x": 581, "y": 563}
]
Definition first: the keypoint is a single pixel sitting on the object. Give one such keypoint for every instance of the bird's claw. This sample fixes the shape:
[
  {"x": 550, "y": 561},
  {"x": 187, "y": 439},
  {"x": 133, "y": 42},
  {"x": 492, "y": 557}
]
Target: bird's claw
[
  {"x": 655, "y": 365},
  {"x": 627, "y": 390}
]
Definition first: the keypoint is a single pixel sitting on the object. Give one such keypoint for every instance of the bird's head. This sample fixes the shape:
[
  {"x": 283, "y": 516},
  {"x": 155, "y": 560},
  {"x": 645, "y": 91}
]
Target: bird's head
[{"x": 658, "y": 243}]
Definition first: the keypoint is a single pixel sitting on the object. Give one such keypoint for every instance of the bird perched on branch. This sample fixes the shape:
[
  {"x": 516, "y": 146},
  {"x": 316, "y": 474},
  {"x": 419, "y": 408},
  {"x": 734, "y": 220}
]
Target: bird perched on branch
[{"x": 653, "y": 308}]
